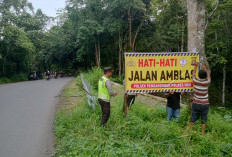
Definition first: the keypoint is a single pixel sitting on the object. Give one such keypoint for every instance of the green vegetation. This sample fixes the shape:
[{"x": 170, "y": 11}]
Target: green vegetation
[
  {"x": 118, "y": 79},
  {"x": 93, "y": 33},
  {"x": 97, "y": 33},
  {"x": 21, "y": 39},
  {"x": 4, "y": 80},
  {"x": 14, "y": 78},
  {"x": 145, "y": 131},
  {"x": 93, "y": 76}
]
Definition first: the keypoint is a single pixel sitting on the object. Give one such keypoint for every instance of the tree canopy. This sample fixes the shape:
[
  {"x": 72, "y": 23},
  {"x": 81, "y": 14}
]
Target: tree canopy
[{"x": 97, "y": 33}]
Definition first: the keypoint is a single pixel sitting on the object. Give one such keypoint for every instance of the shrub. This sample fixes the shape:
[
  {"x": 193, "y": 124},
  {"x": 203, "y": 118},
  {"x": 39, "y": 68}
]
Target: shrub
[
  {"x": 4, "y": 80},
  {"x": 16, "y": 78},
  {"x": 93, "y": 76},
  {"x": 118, "y": 79},
  {"x": 19, "y": 77}
]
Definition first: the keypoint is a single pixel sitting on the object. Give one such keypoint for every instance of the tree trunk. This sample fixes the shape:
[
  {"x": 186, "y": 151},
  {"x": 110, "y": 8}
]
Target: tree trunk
[
  {"x": 192, "y": 35},
  {"x": 182, "y": 36},
  {"x": 136, "y": 34},
  {"x": 192, "y": 25},
  {"x": 196, "y": 29},
  {"x": 182, "y": 44},
  {"x": 196, "y": 32},
  {"x": 120, "y": 64},
  {"x": 97, "y": 55},
  {"x": 130, "y": 29},
  {"x": 201, "y": 33},
  {"x": 216, "y": 38},
  {"x": 123, "y": 60},
  {"x": 119, "y": 55},
  {"x": 224, "y": 84}
]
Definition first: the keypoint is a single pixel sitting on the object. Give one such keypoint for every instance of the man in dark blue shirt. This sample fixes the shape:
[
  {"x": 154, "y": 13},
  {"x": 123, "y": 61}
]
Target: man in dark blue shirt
[{"x": 173, "y": 105}]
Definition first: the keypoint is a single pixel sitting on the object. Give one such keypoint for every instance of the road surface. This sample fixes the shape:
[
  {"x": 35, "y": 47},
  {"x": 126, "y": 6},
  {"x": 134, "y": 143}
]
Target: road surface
[{"x": 27, "y": 111}]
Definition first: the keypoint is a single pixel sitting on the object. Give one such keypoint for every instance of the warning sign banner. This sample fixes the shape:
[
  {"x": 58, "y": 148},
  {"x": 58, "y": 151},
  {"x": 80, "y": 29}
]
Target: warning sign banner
[{"x": 159, "y": 72}]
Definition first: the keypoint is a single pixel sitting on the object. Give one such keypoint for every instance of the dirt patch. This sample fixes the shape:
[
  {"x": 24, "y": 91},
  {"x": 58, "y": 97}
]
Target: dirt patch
[
  {"x": 73, "y": 100},
  {"x": 69, "y": 97},
  {"x": 151, "y": 100}
]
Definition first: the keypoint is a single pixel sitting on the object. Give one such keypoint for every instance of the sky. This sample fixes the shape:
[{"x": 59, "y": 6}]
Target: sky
[{"x": 49, "y": 7}]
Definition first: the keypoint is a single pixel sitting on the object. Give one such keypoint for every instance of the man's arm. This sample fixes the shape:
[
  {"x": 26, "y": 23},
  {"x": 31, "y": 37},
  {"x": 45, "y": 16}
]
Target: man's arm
[
  {"x": 168, "y": 94},
  {"x": 110, "y": 89},
  {"x": 195, "y": 68},
  {"x": 206, "y": 69}
]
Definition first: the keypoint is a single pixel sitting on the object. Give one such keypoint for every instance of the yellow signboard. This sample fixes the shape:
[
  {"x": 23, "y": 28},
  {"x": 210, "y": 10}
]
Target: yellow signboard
[{"x": 159, "y": 72}]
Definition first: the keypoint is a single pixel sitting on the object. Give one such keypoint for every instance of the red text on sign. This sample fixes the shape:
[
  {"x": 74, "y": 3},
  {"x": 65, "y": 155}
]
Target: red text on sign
[{"x": 170, "y": 62}]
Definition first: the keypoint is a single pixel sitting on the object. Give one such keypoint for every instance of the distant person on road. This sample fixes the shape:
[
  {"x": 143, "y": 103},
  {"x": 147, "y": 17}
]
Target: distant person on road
[
  {"x": 48, "y": 74},
  {"x": 173, "y": 105},
  {"x": 61, "y": 74},
  {"x": 55, "y": 75},
  {"x": 35, "y": 76},
  {"x": 200, "y": 105},
  {"x": 105, "y": 91}
]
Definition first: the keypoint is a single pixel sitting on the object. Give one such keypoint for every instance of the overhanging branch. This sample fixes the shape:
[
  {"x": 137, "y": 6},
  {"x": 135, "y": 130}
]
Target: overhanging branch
[{"x": 212, "y": 13}]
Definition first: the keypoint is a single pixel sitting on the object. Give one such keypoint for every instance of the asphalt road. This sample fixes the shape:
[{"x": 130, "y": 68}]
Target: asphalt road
[{"x": 27, "y": 111}]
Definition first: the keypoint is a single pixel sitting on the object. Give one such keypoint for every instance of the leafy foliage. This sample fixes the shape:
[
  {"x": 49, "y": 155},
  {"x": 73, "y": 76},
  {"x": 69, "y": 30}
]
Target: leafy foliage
[
  {"x": 93, "y": 76},
  {"x": 16, "y": 50},
  {"x": 19, "y": 38},
  {"x": 97, "y": 33}
]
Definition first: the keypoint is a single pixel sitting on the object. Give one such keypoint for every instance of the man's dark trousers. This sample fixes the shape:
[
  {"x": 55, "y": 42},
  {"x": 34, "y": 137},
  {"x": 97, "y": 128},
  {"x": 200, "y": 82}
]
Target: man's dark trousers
[{"x": 105, "y": 107}]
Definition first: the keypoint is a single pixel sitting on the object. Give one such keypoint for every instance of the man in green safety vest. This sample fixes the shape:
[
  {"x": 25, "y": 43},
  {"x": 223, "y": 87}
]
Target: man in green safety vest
[{"x": 105, "y": 91}]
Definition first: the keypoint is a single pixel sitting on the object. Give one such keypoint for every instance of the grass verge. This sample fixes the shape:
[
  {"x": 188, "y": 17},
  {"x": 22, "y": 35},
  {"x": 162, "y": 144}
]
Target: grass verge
[{"x": 145, "y": 132}]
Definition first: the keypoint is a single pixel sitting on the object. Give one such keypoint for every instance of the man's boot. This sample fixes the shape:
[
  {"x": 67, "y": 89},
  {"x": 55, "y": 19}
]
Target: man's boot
[
  {"x": 191, "y": 124},
  {"x": 203, "y": 126}
]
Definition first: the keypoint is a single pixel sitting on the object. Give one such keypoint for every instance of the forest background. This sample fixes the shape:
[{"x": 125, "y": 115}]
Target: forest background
[{"x": 88, "y": 33}]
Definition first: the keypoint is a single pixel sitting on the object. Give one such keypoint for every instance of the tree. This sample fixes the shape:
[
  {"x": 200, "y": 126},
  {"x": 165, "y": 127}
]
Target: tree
[
  {"x": 170, "y": 22},
  {"x": 218, "y": 39},
  {"x": 196, "y": 29},
  {"x": 16, "y": 51},
  {"x": 17, "y": 16}
]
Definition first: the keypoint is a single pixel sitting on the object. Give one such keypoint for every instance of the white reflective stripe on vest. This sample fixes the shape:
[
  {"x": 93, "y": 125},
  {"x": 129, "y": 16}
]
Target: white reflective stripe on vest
[{"x": 102, "y": 96}]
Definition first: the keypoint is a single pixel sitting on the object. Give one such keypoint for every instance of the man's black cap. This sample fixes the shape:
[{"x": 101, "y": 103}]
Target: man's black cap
[{"x": 107, "y": 69}]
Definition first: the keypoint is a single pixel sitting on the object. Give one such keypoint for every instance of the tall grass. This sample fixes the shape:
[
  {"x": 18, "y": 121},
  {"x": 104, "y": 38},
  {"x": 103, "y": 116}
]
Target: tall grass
[
  {"x": 145, "y": 131},
  {"x": 93, "y": 76}
]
